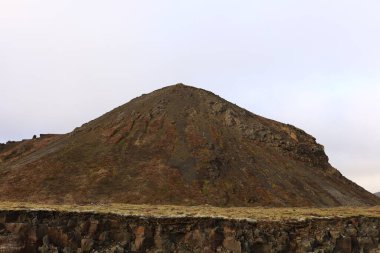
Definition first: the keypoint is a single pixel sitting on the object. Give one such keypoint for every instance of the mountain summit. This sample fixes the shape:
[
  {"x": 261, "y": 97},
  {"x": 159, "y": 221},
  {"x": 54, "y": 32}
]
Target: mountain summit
[{"x": 177, "y": 145}]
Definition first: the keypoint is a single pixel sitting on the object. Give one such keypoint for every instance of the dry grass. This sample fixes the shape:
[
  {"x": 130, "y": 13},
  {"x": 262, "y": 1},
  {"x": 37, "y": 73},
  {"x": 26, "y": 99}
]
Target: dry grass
[{"x": 238, "y": 213}]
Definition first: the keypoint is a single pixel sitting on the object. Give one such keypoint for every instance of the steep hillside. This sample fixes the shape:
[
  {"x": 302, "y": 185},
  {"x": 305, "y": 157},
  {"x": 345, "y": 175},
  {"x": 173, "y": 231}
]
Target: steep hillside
[{"x": 177, "y": 145}]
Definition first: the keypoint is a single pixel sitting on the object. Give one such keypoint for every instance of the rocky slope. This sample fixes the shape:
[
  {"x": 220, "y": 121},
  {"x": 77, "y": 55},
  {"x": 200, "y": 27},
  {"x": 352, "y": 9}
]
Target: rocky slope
[
  {"x": 177, "y": 145},
  {"x": 377, "y": 194},
  {"x": 49, "y": 231}
]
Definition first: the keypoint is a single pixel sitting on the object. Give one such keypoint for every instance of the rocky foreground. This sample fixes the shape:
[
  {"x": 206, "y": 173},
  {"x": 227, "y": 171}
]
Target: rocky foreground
[{"x": 53, "y": 230}]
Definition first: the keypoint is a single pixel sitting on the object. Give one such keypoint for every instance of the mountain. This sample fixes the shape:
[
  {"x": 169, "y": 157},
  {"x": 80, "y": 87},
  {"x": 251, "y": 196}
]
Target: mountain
[
  {"x": 177, "y": 145},
  {"x": 377, "y": 194}
]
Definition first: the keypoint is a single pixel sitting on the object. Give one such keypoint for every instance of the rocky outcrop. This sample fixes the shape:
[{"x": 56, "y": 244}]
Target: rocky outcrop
[
  {"x": 50, "y": 231},
  {"x": 17, "y": 150}
]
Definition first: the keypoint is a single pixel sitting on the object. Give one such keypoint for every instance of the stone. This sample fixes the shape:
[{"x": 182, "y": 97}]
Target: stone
[
  {"x": 87, "y": 244},
  {"x": 343, "y": 245},
  {"x": 140, "y": 236},
  {"x": 230, "y": 243},
  {"x": 45, "y": 240}
]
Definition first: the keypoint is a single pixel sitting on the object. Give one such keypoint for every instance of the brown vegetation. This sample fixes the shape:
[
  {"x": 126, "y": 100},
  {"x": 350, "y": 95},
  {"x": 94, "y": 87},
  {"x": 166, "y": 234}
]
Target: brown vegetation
[{"x": 171, "y": 211}]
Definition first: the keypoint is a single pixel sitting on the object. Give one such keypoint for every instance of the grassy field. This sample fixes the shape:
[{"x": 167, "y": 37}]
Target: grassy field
[{"x": 238, "y": 213}]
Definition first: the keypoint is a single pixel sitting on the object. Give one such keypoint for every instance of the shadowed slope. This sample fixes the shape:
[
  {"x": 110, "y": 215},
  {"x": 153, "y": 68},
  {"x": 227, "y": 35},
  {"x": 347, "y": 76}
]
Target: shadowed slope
[{"x": 179, "y": 145}]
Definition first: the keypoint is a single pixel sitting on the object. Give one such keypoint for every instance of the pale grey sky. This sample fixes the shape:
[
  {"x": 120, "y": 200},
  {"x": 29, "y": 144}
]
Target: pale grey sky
[{"x": 313, "y": 64}]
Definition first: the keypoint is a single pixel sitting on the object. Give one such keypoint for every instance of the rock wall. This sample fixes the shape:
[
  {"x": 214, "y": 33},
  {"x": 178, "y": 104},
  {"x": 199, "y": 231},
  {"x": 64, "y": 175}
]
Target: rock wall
[{"x": 48, "y": 231}]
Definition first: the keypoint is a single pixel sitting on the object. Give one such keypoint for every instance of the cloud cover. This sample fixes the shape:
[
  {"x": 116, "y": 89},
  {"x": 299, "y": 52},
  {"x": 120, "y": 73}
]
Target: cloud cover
[{"x": 314, "y": 64}]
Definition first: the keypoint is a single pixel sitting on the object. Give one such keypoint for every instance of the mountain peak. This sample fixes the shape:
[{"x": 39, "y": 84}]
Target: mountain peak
[{"x": 179, "y": 145}]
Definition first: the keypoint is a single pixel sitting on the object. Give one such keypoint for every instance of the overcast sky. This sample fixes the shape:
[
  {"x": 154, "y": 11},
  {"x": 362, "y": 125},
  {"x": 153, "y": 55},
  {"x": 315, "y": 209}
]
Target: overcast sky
[{"x": 313, "y": 64}]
